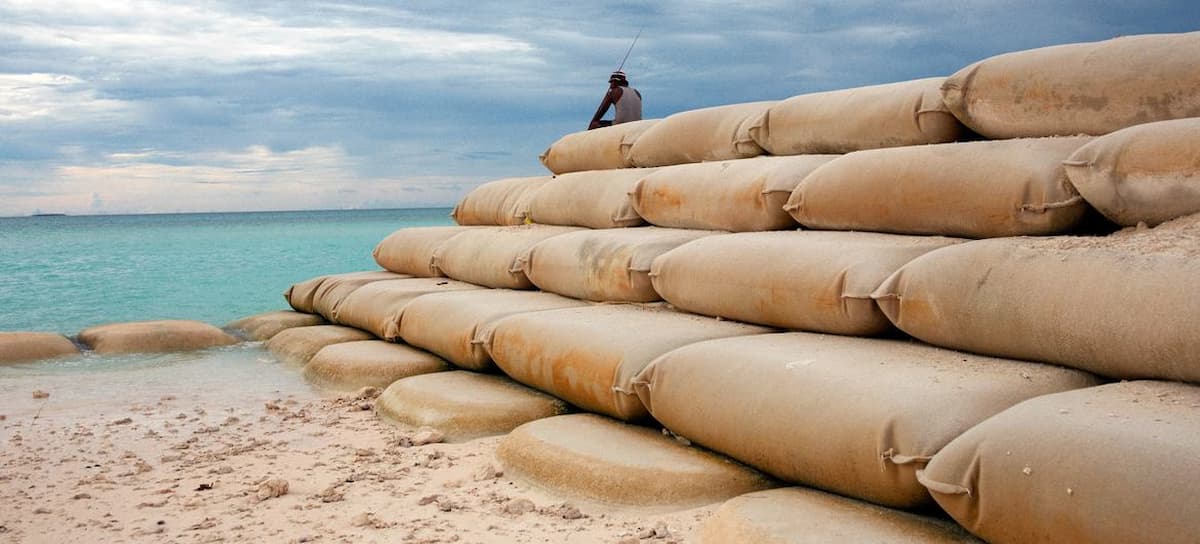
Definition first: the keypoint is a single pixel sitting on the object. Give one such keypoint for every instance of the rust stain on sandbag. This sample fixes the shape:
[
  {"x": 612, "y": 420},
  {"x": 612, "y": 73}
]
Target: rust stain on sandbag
[{"x": 668, "y": 196}]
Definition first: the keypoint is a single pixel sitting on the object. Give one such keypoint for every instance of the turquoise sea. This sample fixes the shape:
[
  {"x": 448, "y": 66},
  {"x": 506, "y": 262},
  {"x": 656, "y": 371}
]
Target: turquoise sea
[{"x": 64, "y": 274}]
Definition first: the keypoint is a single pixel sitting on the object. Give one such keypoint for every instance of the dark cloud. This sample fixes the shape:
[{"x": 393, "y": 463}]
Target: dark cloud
[{"x": 464, "y": 89}]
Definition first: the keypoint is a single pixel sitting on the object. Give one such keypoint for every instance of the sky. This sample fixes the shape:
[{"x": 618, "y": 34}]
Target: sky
[{"x": 162, "y": 106}]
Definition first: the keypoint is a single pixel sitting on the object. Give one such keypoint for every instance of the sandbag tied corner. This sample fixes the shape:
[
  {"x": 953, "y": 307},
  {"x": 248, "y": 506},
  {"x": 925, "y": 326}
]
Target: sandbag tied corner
[
  {"x": 840, "y": 121},
  {"x": 502, "y": 202},
  {"x": 856, "y": 416},
  {"x": 604, "y": 148},
  {"x": 1122, "y": 306}
]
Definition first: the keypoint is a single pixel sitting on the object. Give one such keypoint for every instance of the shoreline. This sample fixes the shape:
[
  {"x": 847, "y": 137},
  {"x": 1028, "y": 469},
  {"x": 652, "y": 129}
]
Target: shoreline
[{"x": 188, "y": 462}]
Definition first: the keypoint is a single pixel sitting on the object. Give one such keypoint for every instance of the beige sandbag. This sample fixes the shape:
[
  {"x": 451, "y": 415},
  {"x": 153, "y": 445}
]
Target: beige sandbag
[
  {"x": 458, "y": 325},
  {"x": 797, "y": 515},
  {"x": 376, "y": 308},
  {"x": 369, "y": 363},
  {"x": 298, "y": 345},
  {"x": 589, "y": 356},
  {"x": 709, "y": 134},
  {"x": 972, "y": 189},
  {"x": 20, "y": 347},
  {"x": 601, "y": 460},
  {"x": 410, "y": 250},
  {"x": 1110, "y": 464},
  {"x": 1083, "y": 88},
  {"x": 1123, "y": 306},
  {"x": 599, "y": 149},
  {"x": 500, "y": 202},
  {"x": 597, "y": 199},
  {"x": 491, "y": 256},
  {"x": 807, "y": 280},
  {"x": 609, "y": 265},
  {"x": 464, "y": 405},
  {"x": 305, "y": 296},
  {"x": 855, "y": 416},
  {"x": 1142, "y": 174},
  {"x": 845, "y": 120},
  {"x": 154, "y": 337},
  {"x": 738, "y": 196},
  {"x": 262, "y": 327}
]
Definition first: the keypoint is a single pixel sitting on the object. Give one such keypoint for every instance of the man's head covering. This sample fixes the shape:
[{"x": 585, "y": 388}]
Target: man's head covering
[{"x": 617, "y": 77}]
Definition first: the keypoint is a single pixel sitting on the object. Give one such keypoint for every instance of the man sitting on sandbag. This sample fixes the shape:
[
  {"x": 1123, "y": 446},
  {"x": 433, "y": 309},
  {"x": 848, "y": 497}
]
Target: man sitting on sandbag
[{"x": 628, "y": 105}]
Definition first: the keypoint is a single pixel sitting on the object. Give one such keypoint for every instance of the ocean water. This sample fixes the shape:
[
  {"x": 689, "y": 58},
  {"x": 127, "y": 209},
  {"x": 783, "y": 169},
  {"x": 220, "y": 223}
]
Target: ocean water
[{"x": 64, "y": 274}]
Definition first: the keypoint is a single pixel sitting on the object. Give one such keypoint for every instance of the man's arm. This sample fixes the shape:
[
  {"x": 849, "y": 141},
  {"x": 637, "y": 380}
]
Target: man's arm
[{"x": 610, "y": 98}]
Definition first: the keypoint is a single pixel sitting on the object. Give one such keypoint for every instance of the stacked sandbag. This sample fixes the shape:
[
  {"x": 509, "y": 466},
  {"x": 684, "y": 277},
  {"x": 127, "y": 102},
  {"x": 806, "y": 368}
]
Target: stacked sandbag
[
  {"x": 1123, "y": 306},
  {"x": 605, "y": 461},
  {"x": 597, "y": 199},
  {"x": 349, "y": 366},
  {"x": 797, "y": 515},
  {"x": 972, "y": 189},
  {"x": 154, "y": 337},
  {"x": 20, "y": 347},
  {"x": 845, "y": 120},
  {"x": 604, "y": 148},
  {"x": 709, "y": 134},
  {"x": 464, "y": 405},
  {"x": 1143, "y": 174},
  {"x": 298, "y": 345},
  {"x": 806, "y": 280},
  {"x": 377, "y": 307},
  {"x": 855, "y": 416},
  {"x": 609, "y": 265},
  {"x": 410, "y": 250},
  {"x": 1110, "y": 464},
  {"x": 319, "y": 294},
  {"x": 1084, "y": 88},
  {"x": 589, "y": 356},
  {"x": 491, "y": 256},
  {"x": 737, "y": 196},
  {"x": 262, "y": 327},
  {"x": 500, "y": 202},
  {"x": 458, "y": 325}
]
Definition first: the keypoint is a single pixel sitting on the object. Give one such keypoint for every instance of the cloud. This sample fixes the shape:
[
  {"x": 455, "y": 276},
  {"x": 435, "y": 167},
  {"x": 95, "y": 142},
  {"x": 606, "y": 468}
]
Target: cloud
[{"x": 160, "y": 105}]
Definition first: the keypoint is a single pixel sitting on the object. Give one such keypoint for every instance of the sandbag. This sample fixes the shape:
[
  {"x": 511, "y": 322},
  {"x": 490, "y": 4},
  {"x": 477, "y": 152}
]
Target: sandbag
[
  {"x": 464, "y": 405},
  {"x": 154, "y": 337},
  {"x": 609, "y": 265},
  {"x": 377, "y": 307},
  {"x": 1083, "y": 88},
  {"x": 599, "y": 149},
  {"x": 458, "y": 325},
  {"x": 601, "y": 460},
  {"x": 314, "y": 296},
  {"x": 410, "y": 250},
  {"x": 1142, "y": 174},
  {"x": 845, "y": 120},
  {"x": 1123, "y": 306},
  {"x": 738, "y": 196},
  {"x": 1110, "y": 464},
  {"x": 589, "y": 356},
  {"x": 298, "y": 345},
  {"x": 491, "y": 256},
  {"x": 262, "y": 327},
  {"x": 709, "y": 134},
  {"x": 598, "y": 199},
  {"x": 500, "y": 202},
  {"x": 973, "y": 189},
  {"x": 855, "y": 416},
  {"x": 807, "y": 280},
  {"x": 796, "y": 515},
  {"x": 349, "y": 366},
  {"x": 20, "y": 347}
]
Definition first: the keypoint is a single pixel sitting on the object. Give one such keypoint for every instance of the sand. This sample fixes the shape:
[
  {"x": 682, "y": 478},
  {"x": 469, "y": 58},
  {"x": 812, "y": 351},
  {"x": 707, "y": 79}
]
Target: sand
[{"x": 248, "y": 452}]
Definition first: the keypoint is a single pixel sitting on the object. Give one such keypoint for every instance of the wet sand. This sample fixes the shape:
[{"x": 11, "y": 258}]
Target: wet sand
[{"x": 231, "y": 446}]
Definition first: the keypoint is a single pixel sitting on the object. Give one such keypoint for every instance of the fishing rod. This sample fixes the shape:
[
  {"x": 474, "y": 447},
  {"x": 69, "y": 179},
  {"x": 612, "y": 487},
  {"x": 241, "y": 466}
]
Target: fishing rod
[{"x": 626, "y": 57}]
